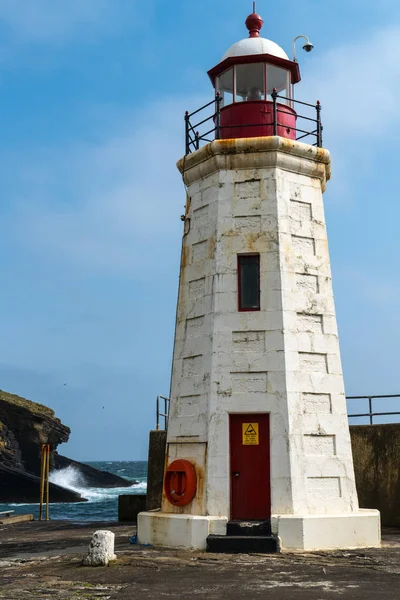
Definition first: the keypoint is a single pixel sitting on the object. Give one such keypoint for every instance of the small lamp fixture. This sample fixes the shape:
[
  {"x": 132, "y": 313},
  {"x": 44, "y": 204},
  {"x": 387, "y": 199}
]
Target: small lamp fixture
[{"x": 308, "y": 46}]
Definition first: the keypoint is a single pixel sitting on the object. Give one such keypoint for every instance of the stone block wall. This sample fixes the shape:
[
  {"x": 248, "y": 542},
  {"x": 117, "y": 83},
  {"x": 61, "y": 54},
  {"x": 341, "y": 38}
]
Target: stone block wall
[
  {"x": 376, "y": 455},
  {"x": 155, "y": 469},
  {"x": 130, "y": 505}
]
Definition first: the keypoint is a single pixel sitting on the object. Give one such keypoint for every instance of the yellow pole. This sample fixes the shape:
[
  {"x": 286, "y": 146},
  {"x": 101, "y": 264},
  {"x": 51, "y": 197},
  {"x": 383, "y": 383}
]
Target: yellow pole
[
  {"x": 42, "y": 471},
  {"x": 47, "y": 481}
]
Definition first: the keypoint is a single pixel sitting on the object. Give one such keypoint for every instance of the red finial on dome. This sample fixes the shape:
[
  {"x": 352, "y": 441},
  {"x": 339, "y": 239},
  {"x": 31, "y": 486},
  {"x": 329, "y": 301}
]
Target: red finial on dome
[{"x": 254, "y": 23}]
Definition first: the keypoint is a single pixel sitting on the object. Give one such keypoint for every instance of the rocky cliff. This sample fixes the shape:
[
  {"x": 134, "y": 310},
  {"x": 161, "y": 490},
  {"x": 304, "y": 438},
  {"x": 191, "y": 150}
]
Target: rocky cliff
[{"x": 24, "y": 427}]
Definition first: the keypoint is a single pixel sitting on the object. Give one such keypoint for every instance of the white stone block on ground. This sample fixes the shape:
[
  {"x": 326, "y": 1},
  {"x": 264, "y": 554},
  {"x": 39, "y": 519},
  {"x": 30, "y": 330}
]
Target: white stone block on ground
[{"x": 101, "y": 549}]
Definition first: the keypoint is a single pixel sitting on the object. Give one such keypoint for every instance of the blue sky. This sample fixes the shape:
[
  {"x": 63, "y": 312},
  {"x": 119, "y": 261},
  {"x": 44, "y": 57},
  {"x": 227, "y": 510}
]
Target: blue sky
[{"x": 92, "y": 96}]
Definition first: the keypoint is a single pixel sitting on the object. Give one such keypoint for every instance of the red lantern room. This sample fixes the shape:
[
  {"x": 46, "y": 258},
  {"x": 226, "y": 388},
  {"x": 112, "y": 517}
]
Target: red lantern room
[
  {"x": 251, "y": 72},
  {"x": 254, "y": 95}
]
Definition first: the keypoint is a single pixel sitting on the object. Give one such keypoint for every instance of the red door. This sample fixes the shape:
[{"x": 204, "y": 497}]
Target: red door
[{"x": 250, "y": 467}]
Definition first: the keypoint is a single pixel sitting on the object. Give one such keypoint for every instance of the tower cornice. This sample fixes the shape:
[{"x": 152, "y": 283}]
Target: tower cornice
[{"x": 256, "y": 153}]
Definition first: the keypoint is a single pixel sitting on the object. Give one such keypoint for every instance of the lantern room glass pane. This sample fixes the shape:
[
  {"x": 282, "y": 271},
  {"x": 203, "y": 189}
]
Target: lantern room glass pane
[
  {"x": 225, "y": 87},
  {"x": 280, "y": 79},
  {"x": 250, "y": 82}
]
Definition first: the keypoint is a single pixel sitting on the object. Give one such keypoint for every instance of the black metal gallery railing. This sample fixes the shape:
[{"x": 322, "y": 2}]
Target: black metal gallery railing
[
  {"x": 209, "y": 128},
  {"x": 371, "y": 412}
]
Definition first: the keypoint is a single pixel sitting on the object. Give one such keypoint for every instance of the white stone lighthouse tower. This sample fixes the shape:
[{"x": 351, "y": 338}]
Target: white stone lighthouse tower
[{"x": 258, "y": 438}]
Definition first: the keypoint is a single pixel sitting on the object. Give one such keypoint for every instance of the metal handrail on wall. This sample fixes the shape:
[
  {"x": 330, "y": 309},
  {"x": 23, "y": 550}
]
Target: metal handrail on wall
[
  {"x": 165, "y": 414},
  {"x": 194, "y": 137},
  {"x": 371, "y": 414}
]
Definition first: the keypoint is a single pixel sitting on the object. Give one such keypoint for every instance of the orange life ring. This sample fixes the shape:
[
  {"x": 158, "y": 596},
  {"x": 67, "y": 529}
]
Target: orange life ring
[{"x": 180, "y": 482}]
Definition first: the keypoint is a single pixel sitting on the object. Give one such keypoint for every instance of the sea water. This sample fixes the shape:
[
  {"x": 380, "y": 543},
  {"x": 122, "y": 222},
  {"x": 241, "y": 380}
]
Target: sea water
[{"x": 102, "y": 503}]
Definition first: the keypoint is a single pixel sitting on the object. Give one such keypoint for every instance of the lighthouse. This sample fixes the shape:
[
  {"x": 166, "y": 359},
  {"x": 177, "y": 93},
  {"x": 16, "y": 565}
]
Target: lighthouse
[{"x": 258, "y": 446}]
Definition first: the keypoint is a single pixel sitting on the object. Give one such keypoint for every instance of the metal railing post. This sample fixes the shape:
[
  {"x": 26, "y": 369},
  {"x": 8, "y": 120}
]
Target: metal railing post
[
  {"x": 370, "y": 413},
  {"x": 47, "y": 481},
  {"x": 198, "y": 129},
  {"x": 218, "y": 116},
  {"x": 274, "y": 110},
  {"x": 42, "y": 479},
  {"x": 319, "y": 126},
  {"x": 166, "y": 412},
  {"x": 187, "y": 144}
]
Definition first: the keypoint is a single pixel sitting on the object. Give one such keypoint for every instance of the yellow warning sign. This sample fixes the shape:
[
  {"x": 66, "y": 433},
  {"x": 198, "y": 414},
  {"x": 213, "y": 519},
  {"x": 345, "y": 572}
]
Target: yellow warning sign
[{"x": 250, "y": 434}]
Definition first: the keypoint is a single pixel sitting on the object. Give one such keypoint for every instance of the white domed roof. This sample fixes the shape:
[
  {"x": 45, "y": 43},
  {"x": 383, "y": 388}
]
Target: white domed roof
[{"x": 255, "y": 45}]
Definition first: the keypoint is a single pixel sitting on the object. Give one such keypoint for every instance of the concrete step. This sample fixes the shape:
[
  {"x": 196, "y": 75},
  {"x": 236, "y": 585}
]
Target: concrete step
[
  {"x": 249, "y": 528},
  {"x": 229, "y": 544}
]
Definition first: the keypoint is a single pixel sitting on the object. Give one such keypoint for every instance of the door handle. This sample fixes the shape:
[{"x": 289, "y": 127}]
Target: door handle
[{"x": 236, "y": 474}]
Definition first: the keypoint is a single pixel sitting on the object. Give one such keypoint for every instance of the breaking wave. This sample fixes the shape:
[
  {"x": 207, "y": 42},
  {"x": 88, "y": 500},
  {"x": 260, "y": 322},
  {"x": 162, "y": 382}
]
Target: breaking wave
[
  {"x": 72, "y": 479},
  {"x": 102, "y": 503}
]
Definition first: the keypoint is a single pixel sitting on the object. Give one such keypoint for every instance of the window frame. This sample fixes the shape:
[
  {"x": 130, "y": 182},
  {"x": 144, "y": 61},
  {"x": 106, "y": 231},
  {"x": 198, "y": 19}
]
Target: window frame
[
  {"x": 264, "y": 89},
  {"x": 222, "y": 93},
  {"x": 288, "y": 90},
  {"x": 239, "y": 272}
]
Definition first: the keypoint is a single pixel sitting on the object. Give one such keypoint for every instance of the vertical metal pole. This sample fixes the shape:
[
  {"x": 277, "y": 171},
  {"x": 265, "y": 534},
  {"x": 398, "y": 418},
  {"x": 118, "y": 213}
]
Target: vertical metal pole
[
  {"x": 371, "y": 418},
  {"x": 47, "y": 480},
  {"x": 265, "y": 81},
  {"x": 42, "y": 471},
  {"x": 158, "y": 413},
  {"x": 197, "y": 137},
  {"x": 319, "y": 127},
  {"x": 289, "y": 90},
  {"x": 274, "y": 110},
  {"x": 166, "y": 413},
  {"x": 187, "y": 144},
  {"x": 218, "y": 116}
]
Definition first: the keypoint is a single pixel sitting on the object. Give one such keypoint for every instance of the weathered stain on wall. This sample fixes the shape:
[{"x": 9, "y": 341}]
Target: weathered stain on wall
[
  {"x": 196, "y": 453},
  {"x": 376, "y": 455},
  {"x": 155, "y": 469}
]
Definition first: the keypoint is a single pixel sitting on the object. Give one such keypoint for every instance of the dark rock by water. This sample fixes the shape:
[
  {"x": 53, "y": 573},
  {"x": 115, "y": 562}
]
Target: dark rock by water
[
  {"x": 24, "y": 427},
  {"x": 22, "y": 487},
  {"x": 93, "y": 477}
]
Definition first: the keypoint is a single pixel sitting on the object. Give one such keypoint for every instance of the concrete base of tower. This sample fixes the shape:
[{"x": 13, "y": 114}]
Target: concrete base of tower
[
  {"x": 178, "y": 531},
  {"x": 328, "y": 532}
]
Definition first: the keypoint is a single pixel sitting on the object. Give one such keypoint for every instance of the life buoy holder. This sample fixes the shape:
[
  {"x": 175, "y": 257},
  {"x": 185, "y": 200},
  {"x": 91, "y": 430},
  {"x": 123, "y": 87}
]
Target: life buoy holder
[{"x": 180, "y": 482}]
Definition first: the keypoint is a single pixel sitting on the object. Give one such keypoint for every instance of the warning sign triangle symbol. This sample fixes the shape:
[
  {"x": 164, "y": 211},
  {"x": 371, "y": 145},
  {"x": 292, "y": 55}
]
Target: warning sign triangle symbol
[{"x": 250, "y": 430}]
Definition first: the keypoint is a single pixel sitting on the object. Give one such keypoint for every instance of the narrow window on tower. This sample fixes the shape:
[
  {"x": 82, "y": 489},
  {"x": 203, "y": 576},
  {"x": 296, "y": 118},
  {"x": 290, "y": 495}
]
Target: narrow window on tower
[{"x": 249, "y": 281}]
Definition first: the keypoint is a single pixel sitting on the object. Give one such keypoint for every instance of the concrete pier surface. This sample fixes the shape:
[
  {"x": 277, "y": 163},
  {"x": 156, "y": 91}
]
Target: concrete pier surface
[{"x": 43, "y": 561}]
